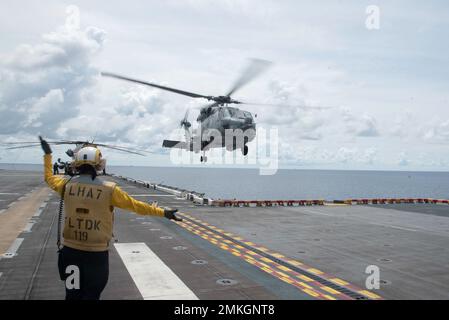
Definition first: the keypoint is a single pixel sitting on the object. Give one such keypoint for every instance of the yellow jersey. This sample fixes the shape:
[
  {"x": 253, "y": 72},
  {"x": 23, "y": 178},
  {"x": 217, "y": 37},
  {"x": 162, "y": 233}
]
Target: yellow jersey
[{"x": 89, "y": 206}]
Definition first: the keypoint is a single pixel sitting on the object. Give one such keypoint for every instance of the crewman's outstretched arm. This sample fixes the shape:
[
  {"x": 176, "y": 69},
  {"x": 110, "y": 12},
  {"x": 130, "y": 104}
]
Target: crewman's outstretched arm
[
  {"x": 55, "y": 182},
  {"x": 123, "y": 200}
]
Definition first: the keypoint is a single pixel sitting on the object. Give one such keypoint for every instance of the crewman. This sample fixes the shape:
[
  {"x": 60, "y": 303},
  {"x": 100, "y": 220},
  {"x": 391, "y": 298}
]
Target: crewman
[
  {"x": 89, "y": 202},
  {"x": 55, "y": 168}
]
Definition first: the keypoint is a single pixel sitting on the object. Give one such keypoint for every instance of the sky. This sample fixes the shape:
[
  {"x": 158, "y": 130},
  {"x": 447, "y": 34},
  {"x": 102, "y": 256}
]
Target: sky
[{"x": 387, "y": 85}]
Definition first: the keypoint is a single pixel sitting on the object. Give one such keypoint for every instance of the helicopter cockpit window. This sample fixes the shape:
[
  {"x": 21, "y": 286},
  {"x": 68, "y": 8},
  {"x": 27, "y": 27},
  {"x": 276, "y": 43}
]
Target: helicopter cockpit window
[
  {"x": 233, "y": 112},
  {"x": 237, "y": 113},
  {"x": 226, "y": 113}
]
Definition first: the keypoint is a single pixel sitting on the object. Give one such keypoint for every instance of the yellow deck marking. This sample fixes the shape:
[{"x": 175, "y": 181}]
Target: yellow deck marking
[
  {"x": 287, "y": 280},
  {"x": 272, "y": 267},
  {"x": 295, "y": 263},
  {"x": 330, "y": 290},
  {"x": 369, "y": 294},
  {"x": 311, "y": 292},
  {"x": 305, "y": 278},
  {"x": 304, "y": 284},
  {"x": 284, "y": 268},
  {"x": 265, "y": 259},
  {"x": 315, "y": 271},
  {"x": 267, "y": 270},
  {"x": 282, "y": 274},
  {"x": 339, "y": 281}
]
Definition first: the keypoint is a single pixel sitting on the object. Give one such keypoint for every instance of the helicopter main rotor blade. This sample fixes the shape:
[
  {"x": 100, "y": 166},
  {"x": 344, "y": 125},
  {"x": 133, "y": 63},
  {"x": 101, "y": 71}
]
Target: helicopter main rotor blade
[
  {"x": 69, "y": 142},
  {"x": 254, "y": 69},
  {"x": 123, "y": 150},
  {"x": 18, "y": 143},
  {"x": 126, "y": 149},
  {"x": 23, "y": 146},
  {"x": 186, "y": 93},
  {"x": 289, "y": 106}
]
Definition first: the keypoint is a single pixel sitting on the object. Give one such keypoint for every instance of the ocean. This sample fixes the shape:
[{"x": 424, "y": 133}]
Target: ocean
[{"x": 228, "y": 183}]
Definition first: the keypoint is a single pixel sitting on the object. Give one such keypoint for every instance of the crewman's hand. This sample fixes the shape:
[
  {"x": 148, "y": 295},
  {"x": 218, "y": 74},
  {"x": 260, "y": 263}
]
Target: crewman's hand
[
  {"x": 45, "y": 146},
  {"x": 170, "y": 214}
]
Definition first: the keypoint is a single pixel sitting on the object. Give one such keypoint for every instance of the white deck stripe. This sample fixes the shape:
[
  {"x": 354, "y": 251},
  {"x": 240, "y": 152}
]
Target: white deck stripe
[
  {"x": 29, "y": 226},
  {"x": 12, "y": 251},
  {"x": 154, "y": 279},
  {"x": 38, "y": 212}
]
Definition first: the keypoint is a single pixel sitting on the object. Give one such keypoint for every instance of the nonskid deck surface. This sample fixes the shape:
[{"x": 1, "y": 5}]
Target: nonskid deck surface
[{"x": 232, "y": 253}]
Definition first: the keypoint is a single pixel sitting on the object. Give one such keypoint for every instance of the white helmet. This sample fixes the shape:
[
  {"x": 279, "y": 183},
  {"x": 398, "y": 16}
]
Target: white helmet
[{"x": 91, "y": 156}]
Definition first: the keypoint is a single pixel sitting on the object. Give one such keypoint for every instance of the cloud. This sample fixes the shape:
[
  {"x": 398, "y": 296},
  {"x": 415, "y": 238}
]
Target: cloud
[
  {"x": 369, "y": 156},
  {"x": 50, "y": 86},
  {"x": 438, "y": 132},
  {"x": 359, "y": 125},
  {"x": 45, "y": 84},
  {"x": 291, "y": 112},
  {"x": 403, "y": 159}
]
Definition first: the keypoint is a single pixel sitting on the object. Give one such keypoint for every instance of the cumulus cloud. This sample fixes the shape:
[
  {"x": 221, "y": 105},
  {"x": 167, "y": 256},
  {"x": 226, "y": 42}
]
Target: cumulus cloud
[
  {"x": 293, "y": 154},
  {"x": 403, "y": 125},
  {"x": 369, "y": 156},
  {"x": 403, "y": 159},
  {"x": 44, "y": 84},
  {"x": 438, "y": 131},
  {"x": 359, "y": 125},
  {"x": 293, "y": 113}
]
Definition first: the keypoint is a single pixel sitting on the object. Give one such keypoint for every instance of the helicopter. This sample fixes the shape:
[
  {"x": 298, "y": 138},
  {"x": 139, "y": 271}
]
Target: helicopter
[
  {"x": 79, "y": 144},
  {"x": 218, "y": 116}
]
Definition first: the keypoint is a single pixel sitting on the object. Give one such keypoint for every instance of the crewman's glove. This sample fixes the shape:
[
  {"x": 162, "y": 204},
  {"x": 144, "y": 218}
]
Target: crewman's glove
[
  {"x": 45, "y": 146},
  {"x": 170, "y": 214}
]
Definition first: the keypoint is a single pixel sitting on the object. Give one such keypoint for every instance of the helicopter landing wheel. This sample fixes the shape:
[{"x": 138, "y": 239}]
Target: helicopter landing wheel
[
  {"x": 245, "y": 150},
  {"x": 203, "y": 159}
]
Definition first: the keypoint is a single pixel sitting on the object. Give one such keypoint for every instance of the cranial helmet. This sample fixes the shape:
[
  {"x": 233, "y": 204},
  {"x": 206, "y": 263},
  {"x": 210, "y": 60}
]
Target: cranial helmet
[{"x": 90, "y": 156}]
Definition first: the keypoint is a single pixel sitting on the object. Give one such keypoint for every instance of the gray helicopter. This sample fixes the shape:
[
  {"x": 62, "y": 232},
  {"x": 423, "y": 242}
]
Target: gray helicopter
[{"x": 217, "y": 117}]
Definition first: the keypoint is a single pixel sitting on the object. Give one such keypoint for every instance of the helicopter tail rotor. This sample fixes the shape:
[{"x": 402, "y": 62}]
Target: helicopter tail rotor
[{"x": 185, "y": 122}]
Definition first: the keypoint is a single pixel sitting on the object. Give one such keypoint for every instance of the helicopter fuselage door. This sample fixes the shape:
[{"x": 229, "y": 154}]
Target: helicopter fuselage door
[{"x": 210, "y": 125}]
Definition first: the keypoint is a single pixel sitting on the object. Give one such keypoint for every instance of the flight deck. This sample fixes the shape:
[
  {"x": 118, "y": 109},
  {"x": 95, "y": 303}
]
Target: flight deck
[{"x": 238, "y": 252}]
